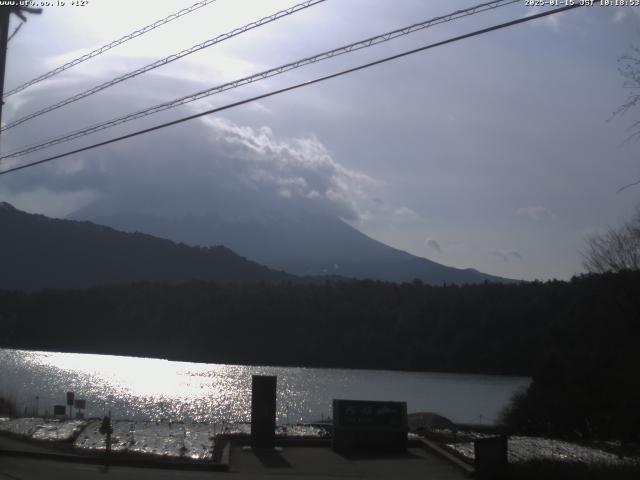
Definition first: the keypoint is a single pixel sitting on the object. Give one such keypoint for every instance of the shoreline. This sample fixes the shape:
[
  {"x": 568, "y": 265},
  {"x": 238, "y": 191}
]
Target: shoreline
[{"x": 258, "y": 365}]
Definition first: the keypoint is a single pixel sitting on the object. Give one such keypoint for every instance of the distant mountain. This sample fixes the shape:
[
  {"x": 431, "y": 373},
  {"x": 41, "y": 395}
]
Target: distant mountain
[
  {"x": 299, "y": 243},
  {"x": 40, "y": 252}
]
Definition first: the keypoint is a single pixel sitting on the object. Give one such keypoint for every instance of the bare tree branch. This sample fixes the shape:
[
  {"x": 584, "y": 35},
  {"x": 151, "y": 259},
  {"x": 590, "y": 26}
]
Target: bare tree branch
[
  {"x": 628, "y": 185},
  {"x": 615, "y": 250},
  {"x": 629, "y": 68}
]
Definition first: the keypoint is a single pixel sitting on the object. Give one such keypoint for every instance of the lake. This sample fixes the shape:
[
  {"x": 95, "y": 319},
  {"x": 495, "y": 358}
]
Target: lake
[{"x": 153, "y": 389}]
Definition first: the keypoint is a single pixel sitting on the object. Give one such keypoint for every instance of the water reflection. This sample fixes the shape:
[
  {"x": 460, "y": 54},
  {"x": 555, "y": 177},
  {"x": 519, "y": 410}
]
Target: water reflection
[{"x": 152, "y": 389}]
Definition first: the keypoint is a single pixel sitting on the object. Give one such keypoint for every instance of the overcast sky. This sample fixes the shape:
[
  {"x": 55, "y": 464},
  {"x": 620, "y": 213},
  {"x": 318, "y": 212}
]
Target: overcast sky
[{"x": 494, "y": 153}]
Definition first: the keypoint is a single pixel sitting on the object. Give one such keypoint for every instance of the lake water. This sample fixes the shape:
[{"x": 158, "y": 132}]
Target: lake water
[{"x": 152, "y": 389}]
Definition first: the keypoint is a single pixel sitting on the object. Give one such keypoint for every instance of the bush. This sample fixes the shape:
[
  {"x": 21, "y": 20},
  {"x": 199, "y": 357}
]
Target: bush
[
  {"x": 8, "y": 407},
  {"x": 579, "y": 397}
]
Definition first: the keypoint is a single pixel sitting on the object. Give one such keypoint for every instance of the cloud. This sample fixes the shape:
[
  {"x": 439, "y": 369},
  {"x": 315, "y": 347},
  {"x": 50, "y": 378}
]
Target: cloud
[
  {"x": 406, "y": 212},
  {"x": 506, "y": 256},
  {"x": 259, "y": 107},
  {"x": 500, "y": 255},
  {"x": 590, "y": 232},
  {"x": 619, "y": 15},
  {"x": 215, "y": 165},
  {"x": 515, "y": 254},
  {"x": 433, "y": 244},
  {"x": 537, "y": 213},
  {"x": 551, "y": 21},
  {"x": 303, "y": 167}
]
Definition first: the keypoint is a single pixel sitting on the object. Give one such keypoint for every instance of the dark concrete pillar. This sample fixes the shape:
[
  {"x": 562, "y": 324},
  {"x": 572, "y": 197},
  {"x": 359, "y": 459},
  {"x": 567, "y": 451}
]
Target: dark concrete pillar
[{"x": 263, "y": 411}]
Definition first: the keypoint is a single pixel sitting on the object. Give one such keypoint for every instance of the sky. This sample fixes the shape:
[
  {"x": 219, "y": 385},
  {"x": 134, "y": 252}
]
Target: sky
[{"x": 498, "y": 152}]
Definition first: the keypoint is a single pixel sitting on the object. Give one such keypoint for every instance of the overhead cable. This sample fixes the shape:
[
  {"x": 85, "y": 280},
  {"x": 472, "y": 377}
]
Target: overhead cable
[
  {"x": 296, "y": 86},
  {"x": 260, "y": 76},
  {"x": 165, "y": 61},
  {"x": 109, "y": 46}
]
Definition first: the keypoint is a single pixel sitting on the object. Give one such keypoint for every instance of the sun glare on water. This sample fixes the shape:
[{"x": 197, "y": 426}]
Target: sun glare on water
[
  {"x": 152, "y": 389},
  {"x": 162, "y": 388}
]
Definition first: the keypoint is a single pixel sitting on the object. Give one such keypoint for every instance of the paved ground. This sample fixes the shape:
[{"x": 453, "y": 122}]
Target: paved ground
[
  {"x": 317, "y": 463},
  {"x": 11, "y": 444},
  {"x": 13, "y": 468},
  {"x": 322, "y": 462}
]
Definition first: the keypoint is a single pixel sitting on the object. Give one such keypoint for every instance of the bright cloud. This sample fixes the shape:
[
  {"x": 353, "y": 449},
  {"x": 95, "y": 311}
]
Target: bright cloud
[
  {"x": 216, "y": 165},
  {"x": 406, "y": 212}
]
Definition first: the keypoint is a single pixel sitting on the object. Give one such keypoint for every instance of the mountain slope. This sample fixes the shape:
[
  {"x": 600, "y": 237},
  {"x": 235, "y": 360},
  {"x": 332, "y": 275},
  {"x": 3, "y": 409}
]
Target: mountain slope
[
  {"x": 40, "y": 252},
  {"x": 301, "y": 244}
]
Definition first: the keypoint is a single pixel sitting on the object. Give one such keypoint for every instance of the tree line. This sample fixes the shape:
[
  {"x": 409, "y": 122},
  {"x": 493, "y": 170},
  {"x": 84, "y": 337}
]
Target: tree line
[{"x": 578, "y": 339}]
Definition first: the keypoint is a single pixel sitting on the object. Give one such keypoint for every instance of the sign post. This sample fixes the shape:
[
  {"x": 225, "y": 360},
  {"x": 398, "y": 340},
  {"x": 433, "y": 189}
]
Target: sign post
[
  {"x": 80, "y": 406},
  {"x": 70, "y": 398},
  {"x": 107, "y": 429}
]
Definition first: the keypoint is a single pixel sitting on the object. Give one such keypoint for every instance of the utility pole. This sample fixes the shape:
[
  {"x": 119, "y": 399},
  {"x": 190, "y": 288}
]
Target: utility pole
[{"x": 5, "y": 13}]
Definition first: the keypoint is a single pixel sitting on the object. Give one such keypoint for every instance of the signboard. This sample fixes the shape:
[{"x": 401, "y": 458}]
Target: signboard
[
  {"x": 59, "y": 410},
  {"x": 80, "y": 404},
  {"x": 369, "y": 425},
  {"x": 70, "y": 397},
  {"x": 360, "y": 413}
]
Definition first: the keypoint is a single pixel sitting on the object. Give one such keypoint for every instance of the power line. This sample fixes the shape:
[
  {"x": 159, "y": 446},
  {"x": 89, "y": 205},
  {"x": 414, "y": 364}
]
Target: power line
[
  {"x": 261, "y": 76},
  {"x": 296, "y": 86},
  {"x": 109, "y": 46},
  {"x": 165, "y": 61}
]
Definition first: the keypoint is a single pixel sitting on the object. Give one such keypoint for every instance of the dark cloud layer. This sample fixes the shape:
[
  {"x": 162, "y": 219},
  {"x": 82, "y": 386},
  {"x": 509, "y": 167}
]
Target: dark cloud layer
[{"x": 209, "y": 165}]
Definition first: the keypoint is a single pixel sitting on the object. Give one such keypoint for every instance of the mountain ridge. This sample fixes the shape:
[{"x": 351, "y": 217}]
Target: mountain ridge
[
  {"x": 301, "y": 244},
  {"x": 39, "y": 252}
]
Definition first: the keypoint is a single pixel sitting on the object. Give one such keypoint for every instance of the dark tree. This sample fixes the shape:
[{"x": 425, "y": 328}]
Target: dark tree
[{"x": 615, "y": 250}]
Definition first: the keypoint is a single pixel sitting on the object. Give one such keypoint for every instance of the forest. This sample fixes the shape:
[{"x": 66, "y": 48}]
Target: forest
[{"x": 577, "y": 339}]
